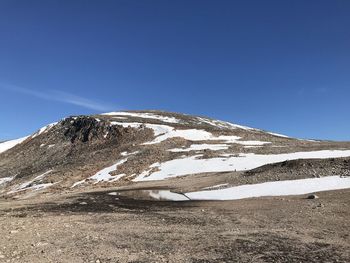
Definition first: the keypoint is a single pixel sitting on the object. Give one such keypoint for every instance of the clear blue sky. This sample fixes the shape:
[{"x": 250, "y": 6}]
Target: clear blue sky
[{"x": 282, "y": 66}]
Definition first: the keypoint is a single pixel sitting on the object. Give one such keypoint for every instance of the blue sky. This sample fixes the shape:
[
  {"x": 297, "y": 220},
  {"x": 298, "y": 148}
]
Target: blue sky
[{"x": 282, "y": 66}]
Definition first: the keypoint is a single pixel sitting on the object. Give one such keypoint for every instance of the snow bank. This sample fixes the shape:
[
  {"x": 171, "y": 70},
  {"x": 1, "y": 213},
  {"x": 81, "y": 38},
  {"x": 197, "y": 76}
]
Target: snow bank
[
  {"x": 278, "y": 135},
  {"x": 279, "y": 188},
  {"x": 29, "y": 184},
  {"x": 104, "y": 175},
  {"x": 223, "y": 124},
  {"x": 166, "y": 195},
  {"x": 164, "y": 132},
  {"x": 144, "y": 116},
  {"x": 44, "y": 129},
  {"x": 5, "y": 180},
  {"x": 192, "y": 165},
  {"x": 4, "y": 146},
  {"x": 199, "y": 147}
]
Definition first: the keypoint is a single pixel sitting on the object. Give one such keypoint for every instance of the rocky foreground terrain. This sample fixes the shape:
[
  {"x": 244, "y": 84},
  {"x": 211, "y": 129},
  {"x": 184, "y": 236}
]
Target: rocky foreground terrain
[{"x": 152, "y": 186}]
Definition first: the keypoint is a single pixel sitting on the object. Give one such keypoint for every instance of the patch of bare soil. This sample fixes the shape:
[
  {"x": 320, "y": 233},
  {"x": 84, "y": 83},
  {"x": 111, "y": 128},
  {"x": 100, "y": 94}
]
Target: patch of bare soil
[{"x": 98, "y": 227}]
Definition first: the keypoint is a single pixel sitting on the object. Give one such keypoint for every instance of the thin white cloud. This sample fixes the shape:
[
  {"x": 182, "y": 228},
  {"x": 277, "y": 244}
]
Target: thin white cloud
[{"x": 60, "y": 96}]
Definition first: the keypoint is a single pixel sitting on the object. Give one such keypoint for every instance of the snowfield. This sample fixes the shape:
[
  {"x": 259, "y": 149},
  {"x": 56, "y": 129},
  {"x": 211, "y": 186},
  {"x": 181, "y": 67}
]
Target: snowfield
[
  {"x": 166, "y": 195},
  {"x": 199, "y": 147},
  {"x": 104, "y": 174},
  {"x": 279, "y": 188},
  {"x": 193, "y": 165},
  {"x": 143, "y": 115},
  {"x": 33, "y": 184},
  {"x": 44, "y": 129},
  {"x": 5, "y": 180},
  {"x": 223, "y": 124},
  {"x": 4, "y": 146},
  {"x": 164, "y": 132}
]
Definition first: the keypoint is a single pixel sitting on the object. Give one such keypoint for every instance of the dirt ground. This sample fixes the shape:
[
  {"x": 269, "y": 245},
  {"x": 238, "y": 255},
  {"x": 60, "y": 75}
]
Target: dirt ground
[{"x": 97, "y": 227}]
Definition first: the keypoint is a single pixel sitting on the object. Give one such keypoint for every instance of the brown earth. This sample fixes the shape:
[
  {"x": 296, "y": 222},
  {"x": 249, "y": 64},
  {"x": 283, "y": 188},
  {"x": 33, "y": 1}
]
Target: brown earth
[{"x": 97, "y": 227}]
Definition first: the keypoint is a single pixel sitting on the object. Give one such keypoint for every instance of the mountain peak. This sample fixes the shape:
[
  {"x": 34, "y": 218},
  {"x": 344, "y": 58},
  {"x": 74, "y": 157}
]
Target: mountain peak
[{"x": 129, "y": 147}]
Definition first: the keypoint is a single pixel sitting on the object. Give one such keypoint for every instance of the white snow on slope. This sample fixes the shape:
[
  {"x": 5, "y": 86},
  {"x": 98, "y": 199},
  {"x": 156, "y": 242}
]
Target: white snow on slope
[
  {"x": 189, "y": 134},
  {"x": 44, "y": 129},
  {"x": 104, "y": 174},
  {"x": 164, "y": 132},
  {"x": 199, "y": 147},
  {"x": 223, "y": 124},
  {"x": 215, "y": 123},
  {"x": 157, "y": 129},
  {"x": 166, "y": 195},
  {"x": 278, "y": 135},
  {"x": 5, "y": 180},
  {"x": 192, "y": 165},
  {"x": 252, "y": 143},
  {"x": 144, "y": 116},
  {"x": 128, "y": 154},
  {"x": 35, "y": 187},
  {"x": 28, "y": 185},
  {"x": 4, "y": 146},
  {"x": 278, "y": 188}
]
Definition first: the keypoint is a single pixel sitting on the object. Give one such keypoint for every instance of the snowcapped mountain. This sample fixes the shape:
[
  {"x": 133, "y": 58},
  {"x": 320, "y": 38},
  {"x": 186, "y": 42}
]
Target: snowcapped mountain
[{"x": 202, "y": 157}]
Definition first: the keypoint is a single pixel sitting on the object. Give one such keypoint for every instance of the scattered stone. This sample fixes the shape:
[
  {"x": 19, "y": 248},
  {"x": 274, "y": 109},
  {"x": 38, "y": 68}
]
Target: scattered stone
[{"x": 312, "y": 196}]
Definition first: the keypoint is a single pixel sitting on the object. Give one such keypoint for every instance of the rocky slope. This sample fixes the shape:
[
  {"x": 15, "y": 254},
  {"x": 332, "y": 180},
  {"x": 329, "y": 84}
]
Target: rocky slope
[{"x": 158, "y": 149}]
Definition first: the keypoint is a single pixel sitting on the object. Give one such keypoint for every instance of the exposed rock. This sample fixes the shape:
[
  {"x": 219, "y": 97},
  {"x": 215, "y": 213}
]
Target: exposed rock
[{"x": 312, "y": 196}]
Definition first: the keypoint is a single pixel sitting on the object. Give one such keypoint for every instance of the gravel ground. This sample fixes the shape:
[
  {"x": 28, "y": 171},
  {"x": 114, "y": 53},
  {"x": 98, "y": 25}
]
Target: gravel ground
[{"x": 97, "y": 227}]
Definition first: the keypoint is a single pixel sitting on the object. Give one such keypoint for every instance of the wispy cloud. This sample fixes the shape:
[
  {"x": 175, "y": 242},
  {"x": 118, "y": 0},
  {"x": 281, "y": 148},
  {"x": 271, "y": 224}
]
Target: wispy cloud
[{"x": 60, "y": 96}]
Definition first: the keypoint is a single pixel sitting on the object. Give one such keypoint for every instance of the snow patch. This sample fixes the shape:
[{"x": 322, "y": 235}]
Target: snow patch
[
  {"x": 104, "y": 174},
  {"x": 199, "y": 147},
  {"x": 128, "y": 154},
  {"x": 5, "y": 180},
  {"x": 164, "y": 132},
  {"x": 29, "y": 184},
  {"x": 223, "y": 124},
  {"x": 166, "y": 195},
  {"x": 193, "y": 165},
  {"x": 278, "y": 135},
  {"x": 4, "y": 146},
  {"x": 44, "y": 129},
  {"x": 144, "y": 116},
  {"x": 278, "y": 188}
]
